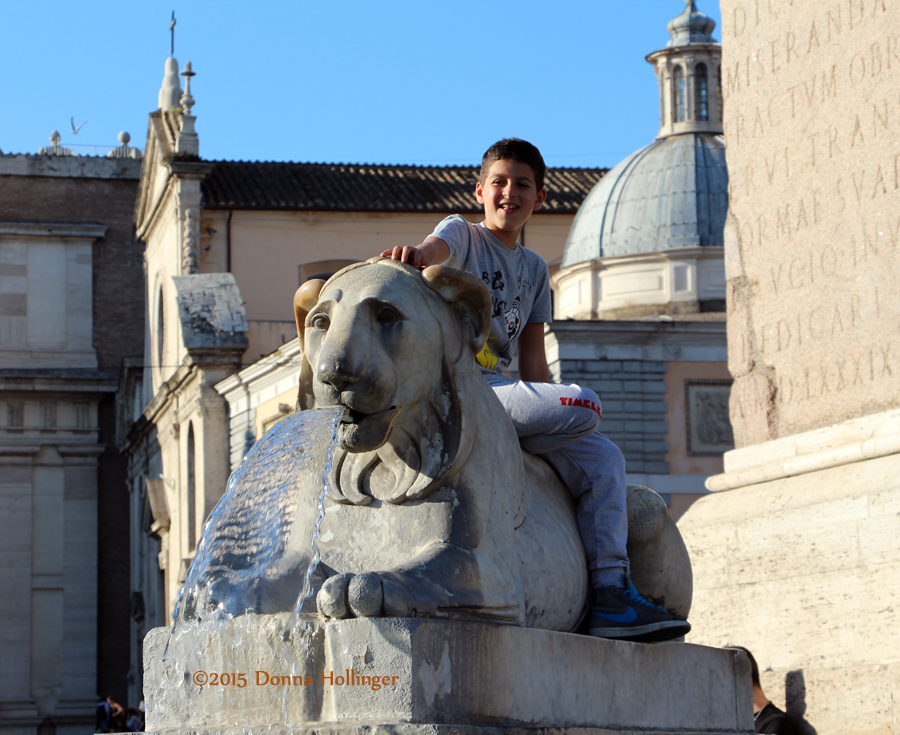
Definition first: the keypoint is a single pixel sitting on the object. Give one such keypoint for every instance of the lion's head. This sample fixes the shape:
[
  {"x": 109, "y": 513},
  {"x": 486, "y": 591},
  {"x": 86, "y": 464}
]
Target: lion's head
[{"x": 390, "y": 344}]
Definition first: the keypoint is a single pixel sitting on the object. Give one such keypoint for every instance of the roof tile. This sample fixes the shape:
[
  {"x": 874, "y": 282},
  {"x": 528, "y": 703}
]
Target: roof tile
[{"x": 335, "y": 186}]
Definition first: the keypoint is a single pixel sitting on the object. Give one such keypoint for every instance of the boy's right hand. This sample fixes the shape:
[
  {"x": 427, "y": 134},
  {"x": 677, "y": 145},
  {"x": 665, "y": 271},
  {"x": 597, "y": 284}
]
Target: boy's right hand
[
  {"x": 406, "y": 254},
  {"x": 431, "y": 252}
]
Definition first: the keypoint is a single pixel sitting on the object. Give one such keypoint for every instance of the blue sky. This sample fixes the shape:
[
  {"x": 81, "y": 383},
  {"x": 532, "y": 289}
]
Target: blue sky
[{"x": 393, "y": 81}]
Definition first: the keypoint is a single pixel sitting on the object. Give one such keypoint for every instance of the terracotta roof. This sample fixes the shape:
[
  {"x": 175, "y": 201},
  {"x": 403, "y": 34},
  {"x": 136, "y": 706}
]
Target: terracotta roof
[{"x": 371, "y": 188}]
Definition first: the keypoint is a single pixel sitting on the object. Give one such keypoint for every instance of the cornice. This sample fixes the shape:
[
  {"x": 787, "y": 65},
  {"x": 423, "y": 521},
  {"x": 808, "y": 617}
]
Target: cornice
[{"x": 53, "y": 229}]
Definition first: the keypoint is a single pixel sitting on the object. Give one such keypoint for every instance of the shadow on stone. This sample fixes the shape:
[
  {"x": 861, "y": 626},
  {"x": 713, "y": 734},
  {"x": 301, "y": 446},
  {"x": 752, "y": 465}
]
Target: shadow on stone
[{"x": 795, "y": 701}]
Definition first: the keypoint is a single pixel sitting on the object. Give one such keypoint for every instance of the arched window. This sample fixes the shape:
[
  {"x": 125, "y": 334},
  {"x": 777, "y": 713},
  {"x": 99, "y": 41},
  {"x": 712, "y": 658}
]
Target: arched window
[
  {"x": 701, "y": 93},
  {"x": 191, "y": 489},
  {"x": 719, "y": 91},
  {"x": 160, "y": 328},
  {"x": 678, "y": 89}
]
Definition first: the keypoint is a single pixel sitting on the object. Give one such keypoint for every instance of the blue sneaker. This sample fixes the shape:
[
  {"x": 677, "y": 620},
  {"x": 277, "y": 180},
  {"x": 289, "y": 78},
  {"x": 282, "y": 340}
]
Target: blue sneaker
[{"x": 626, "y": 616}]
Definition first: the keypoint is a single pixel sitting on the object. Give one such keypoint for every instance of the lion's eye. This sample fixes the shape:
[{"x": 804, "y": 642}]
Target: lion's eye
[
  {"x": 387, "y": 315},
  {"x": 320, "y": 322}
]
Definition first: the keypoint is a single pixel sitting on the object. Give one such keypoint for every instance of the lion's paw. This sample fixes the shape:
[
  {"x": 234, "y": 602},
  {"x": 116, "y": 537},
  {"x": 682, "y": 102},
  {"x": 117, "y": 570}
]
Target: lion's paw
[{"x": 351, "y": 595}]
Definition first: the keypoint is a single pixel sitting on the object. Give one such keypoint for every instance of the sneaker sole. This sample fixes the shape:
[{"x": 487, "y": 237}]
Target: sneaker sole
[{"x": 664, "y": 630}]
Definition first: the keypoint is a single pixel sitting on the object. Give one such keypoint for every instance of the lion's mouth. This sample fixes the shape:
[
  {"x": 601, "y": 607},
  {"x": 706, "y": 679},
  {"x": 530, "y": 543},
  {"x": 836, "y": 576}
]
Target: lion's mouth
[
  {"x": 363, "y": 432},
  {"x": 352, "y": 416}
]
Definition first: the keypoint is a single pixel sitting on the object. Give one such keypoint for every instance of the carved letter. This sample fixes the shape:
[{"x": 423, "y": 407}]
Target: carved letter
[
  {"x": 857, "y": 68},
  {"x": 740, "y": 21},
  {"x": 783, "y": 223},
  {"x": 813, "y": 38},
  {"x": 876, "y": 116},
  {"x": 834, "y": 23},
  {"x": 879, "y": 183}
]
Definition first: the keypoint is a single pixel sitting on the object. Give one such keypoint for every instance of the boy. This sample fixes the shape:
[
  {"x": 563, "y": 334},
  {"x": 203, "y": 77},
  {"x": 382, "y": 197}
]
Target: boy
[{"x": 556, "y": 421}]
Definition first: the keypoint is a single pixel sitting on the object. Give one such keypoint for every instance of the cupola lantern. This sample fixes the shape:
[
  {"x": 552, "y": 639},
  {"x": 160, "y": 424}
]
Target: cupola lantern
[{"x": 689, "y": 74}]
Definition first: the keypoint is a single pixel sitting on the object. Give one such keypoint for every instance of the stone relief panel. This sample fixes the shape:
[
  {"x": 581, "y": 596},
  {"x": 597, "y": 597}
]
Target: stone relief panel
[{"x": 707, "y": 422}]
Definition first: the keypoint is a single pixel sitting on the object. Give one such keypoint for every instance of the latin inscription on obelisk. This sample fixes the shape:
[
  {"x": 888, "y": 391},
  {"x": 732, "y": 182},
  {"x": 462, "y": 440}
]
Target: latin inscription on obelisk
[{"x": 812, "y": 123}]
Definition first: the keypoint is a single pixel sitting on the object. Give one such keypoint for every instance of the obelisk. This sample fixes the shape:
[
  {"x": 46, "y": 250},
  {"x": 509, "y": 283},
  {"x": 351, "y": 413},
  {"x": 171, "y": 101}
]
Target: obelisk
[{"x": 797, "y": 554}]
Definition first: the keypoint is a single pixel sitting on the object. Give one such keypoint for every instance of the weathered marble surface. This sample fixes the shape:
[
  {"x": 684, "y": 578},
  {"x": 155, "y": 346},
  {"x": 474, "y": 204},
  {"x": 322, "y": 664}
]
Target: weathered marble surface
[
  {"x": 813, "y": 237},
  {"x": 452, "y": 677}
]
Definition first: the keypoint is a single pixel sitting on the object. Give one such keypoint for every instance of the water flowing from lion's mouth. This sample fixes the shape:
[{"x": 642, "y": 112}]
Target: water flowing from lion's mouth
[
  {"x": 256, "y": 552},
  {"x": 259, "y": 553}
]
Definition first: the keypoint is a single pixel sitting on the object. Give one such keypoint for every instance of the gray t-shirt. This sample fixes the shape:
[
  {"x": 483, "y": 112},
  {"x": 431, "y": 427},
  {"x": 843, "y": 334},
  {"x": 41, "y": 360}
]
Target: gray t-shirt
[{"x": 518, "y": 281}]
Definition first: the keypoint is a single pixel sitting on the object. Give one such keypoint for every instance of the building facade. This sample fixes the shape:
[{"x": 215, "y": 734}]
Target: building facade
[{"x": 70, "y": 297}]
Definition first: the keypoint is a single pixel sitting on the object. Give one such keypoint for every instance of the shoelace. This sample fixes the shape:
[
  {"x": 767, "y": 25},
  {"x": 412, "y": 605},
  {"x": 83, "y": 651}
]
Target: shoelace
[{"x": 632, "y": 594}]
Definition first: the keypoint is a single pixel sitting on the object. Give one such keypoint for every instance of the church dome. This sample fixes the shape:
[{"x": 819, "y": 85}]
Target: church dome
[
  {"x": 670, "y": 194},
  {"x": 648, "y": 239}
]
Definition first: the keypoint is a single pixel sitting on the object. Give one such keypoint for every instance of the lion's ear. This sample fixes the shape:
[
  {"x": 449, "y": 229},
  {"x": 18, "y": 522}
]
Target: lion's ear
[
  {"x": 304, "y": 300},
  {"x": 468, "y": 295}
]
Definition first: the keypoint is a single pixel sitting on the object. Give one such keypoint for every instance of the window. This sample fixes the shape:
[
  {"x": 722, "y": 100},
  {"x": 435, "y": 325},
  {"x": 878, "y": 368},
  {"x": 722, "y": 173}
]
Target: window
[
  {"x": 160, "y": 328},
  {"x": 701, "y": 93},
  {"x": 719, "y": 91},
  {"x": 678, "y": 89},
  {"x": 191, "y": 489},
  {"x": 323, "y": 269}
]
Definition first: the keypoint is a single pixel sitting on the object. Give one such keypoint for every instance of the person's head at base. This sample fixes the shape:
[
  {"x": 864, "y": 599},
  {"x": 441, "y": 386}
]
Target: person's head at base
[
  {"x": 510, "y": 186},
  {"x": 754, "y": 667}
]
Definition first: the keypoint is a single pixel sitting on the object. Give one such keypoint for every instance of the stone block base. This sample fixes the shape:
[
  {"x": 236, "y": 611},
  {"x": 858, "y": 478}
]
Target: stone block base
[
  {"x": 429, "y": 676},
  {"x": 405, "y": 728},
  {"x": 802, "y": 569}
]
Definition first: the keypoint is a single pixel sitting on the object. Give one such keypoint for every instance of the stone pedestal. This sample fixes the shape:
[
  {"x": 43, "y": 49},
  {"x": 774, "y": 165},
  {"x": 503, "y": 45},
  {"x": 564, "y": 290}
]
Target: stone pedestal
[
  {"x": 797, "y": 558},
  {"x": 399, "y": 675}
]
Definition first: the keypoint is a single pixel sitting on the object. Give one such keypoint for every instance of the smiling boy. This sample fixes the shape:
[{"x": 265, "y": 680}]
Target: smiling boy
[{"x": 557, "y": 421}]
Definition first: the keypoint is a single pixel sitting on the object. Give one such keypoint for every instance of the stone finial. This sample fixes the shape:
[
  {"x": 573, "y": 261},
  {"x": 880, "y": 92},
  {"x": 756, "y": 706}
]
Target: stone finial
[
  {"x": 691, "y": 26},
  {"x": 55, "y": 149},
  {"x": 170, "y": 92},
  {"x": 187, "y": 102},
  {"x": 187, "y": 141},
  {"x": 124, "y": 150}
]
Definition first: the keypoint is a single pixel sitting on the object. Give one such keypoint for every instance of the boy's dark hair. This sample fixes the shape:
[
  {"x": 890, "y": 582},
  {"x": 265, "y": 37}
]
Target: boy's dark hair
[
  {"x": 754, "y": 669},
  {"x": 515, "y": 149}
]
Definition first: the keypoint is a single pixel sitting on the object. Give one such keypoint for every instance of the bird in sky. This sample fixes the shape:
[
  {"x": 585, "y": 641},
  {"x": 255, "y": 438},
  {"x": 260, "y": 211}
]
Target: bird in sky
[{"x": 74, "y": 129}]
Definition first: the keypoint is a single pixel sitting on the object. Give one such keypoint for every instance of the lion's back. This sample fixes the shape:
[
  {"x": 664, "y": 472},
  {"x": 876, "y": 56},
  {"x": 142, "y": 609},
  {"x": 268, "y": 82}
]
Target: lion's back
[{"x": 553, "y": 562}]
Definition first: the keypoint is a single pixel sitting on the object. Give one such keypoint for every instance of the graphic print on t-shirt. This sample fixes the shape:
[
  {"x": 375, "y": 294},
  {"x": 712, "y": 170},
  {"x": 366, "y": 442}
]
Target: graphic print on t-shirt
[
  {"x": 517, "y": 280},
  {"x": 514, "y": 318}
]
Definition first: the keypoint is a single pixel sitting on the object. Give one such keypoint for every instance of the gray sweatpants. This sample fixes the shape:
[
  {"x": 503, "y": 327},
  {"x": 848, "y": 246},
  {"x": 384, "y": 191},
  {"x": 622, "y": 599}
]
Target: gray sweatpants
[{"x": 559, "y": 422}]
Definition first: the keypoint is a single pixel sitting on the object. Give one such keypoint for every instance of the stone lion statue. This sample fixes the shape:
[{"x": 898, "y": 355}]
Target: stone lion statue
[
  {"x": 433, "y": 509},
  {"x": 437, "y": 511}
]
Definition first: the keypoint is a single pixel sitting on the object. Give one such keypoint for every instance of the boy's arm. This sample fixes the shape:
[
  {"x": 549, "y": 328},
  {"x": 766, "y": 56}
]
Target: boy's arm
[
  {"x": 532, "y": 357},
  {"x": 430, "y": 252}
]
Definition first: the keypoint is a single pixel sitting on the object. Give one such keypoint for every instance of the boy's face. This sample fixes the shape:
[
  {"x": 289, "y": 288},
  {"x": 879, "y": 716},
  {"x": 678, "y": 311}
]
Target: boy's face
[{"x": 509, "y": 195}]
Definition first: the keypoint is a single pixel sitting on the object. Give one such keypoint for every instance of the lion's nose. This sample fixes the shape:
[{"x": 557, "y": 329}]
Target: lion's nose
[{"x": 340, "y": 369}]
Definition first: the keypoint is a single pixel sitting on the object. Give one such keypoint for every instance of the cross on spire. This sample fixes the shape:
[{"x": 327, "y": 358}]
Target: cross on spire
[{"x": 172, "y": 29}]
